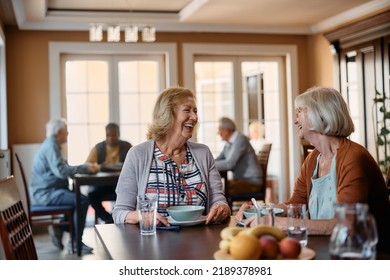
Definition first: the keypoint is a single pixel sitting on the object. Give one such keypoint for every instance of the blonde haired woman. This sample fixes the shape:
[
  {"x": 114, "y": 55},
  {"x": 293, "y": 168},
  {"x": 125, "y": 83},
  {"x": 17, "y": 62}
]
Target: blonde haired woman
[{"x": 154, "y": 166}]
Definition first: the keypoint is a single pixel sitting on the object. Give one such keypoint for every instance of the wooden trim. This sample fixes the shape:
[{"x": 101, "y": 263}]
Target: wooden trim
[{"x": 380, "y": 21}]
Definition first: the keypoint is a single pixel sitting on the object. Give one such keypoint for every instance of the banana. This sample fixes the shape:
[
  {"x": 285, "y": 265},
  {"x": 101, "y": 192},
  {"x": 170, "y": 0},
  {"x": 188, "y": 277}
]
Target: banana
[
  {"x": 229, "y": 232},
  {"x": 224, "y": 245},
  {"x": 260, "y": 230}
]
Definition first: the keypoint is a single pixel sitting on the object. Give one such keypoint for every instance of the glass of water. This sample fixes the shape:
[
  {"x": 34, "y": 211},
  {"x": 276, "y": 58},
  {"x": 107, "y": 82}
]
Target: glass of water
[{"x": 296, "y": 222}]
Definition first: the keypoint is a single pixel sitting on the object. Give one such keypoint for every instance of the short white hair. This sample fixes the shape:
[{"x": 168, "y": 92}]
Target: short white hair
[
  {"x": 54, "y": 126},
  {"x": 327, "y": 111},
  {"x": 227, "y": 123}
]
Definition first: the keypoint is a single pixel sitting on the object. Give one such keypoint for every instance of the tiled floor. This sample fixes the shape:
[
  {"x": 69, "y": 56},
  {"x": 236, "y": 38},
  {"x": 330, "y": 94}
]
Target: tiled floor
[{"x": 47, "y": 251}]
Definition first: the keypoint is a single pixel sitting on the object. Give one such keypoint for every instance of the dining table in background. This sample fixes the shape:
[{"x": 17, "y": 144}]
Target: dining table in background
[
  {"x": 99, "y": 179},
  {"x": 124, "y": 242}
]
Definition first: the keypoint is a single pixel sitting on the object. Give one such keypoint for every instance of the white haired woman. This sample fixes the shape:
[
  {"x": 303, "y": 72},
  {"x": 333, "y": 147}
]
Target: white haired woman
[{"x": 338, "y": 170}]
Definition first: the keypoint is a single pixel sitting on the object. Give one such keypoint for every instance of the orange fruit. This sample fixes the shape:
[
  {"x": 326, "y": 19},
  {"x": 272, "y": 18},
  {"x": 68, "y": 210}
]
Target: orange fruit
[{"x": 245, "y": 247}]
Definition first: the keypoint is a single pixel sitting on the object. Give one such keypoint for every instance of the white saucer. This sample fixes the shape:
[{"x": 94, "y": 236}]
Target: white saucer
[{"x": 199, "y": 221}]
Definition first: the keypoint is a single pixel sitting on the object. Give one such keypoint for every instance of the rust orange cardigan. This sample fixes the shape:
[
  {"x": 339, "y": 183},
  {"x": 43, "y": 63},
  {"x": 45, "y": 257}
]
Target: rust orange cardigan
[{"x": 359, "y": 179}]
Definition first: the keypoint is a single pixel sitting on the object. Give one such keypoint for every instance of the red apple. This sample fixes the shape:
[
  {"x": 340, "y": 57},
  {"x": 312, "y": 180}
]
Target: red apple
[
  {"x": 289, "y": 248},
  {"x": 269, "y": 247}
]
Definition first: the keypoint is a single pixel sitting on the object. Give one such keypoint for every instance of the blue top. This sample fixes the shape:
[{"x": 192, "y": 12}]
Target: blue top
[
  {"x": 50, "y": 172},
  {"x": 238, "y": 156},
  {"x": 323, "y": 193}
]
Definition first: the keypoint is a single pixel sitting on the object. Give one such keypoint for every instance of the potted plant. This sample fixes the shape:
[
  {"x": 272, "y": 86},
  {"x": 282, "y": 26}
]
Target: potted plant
[{"x": 382, "y": 119}]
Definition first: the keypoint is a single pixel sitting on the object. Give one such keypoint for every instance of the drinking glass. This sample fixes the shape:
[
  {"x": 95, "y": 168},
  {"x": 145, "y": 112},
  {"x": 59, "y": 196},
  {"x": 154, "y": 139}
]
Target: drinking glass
[
  {"x": 355, "y": 235},
  {"x": 296, "y": 222},
  {"x": 372, "y": 236},
  {"x": 147, "y": 213},
  {"x": 265, "y": 214}
]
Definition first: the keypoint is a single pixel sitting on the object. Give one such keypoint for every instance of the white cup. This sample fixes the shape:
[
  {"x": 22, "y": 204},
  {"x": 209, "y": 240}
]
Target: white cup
[
  {"x": 147, "y": 212},
  {"x": 265, "y": 214},
  {"x": 296, "y": 222}
]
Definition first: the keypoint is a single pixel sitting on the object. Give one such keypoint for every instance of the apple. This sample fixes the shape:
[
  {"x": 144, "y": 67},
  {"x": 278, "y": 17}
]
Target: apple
[
  {"x": 290, "y": 248},
  {"x": 269, "y": 247}
]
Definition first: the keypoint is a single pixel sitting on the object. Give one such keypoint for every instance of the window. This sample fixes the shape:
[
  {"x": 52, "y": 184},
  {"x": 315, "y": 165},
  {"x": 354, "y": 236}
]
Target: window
[{"x": 111, "y": 88}]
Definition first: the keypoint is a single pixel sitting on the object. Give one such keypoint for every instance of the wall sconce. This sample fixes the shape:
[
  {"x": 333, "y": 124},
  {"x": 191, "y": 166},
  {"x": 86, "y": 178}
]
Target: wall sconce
[{"x": 114, "y": 33}]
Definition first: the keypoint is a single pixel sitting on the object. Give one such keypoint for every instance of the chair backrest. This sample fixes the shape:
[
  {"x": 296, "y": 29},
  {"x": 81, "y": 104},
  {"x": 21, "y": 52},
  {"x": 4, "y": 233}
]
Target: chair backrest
[
  {"x": 15, "y": 230},
  {"x": 307, "y": 148},
  {"x": 263, "y": 158},
  {"x": 25, "y": 186}
]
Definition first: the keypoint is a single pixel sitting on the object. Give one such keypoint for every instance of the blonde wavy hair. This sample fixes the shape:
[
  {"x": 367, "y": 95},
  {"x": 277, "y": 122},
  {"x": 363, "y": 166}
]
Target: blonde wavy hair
[
  {"x": 327, "y": 111},
  {"x": 164, "y": 111}
]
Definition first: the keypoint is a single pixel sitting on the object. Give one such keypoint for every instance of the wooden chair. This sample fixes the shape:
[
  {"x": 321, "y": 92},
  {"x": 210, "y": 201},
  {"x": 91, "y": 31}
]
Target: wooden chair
[
  {"x": 306, "y": 149},
  {"x": 15, "y": 230},
  {"x": 43, "y": 215},
  {"x": 260, "y": 189}
]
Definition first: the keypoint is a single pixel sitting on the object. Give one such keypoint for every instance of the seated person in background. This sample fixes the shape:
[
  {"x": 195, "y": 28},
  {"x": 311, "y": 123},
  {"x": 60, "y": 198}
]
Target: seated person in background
[
  {"x": 179, "y": 171},
  {"x": 338, "y": 170},
  {"x": 239, "y": 157},
  {"x": 49, "y": 182},
  {"x": 106, "y": 154},
  {"x": 256, "y": 136}
]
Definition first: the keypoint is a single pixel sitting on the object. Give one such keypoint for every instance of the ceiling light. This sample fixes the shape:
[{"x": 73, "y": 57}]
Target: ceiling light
[
  {"x": 131, "y": 33},
  {"x": 113, "y": 33},
  {"x": 149, "y": 34},
  {"x": 95, "y": 33}
]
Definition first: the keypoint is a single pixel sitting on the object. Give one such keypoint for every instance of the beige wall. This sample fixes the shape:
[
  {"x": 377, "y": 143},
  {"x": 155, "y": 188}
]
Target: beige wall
[
  {"x": 27, "y": 70},
  {"x": 320, "y": 61}
]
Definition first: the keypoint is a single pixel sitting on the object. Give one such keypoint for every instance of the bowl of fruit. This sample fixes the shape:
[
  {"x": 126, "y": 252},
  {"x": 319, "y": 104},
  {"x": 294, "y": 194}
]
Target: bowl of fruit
[{"x": 260, "y": 242}]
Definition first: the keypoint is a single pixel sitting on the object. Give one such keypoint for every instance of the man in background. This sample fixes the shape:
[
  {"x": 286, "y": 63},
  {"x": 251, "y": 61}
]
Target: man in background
[
  {"x": 49, "y": 181},
  {"x": 239, "y": 157},
  {"x": 109, "y": 155}
]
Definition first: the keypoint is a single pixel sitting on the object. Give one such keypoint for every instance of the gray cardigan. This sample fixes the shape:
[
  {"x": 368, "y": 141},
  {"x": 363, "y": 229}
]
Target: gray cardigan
[{"x": 135, "y": 173}]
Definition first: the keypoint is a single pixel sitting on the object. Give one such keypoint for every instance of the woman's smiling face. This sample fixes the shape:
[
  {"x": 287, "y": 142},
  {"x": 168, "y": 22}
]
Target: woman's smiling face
[
  {"x": 186, "y": 117},
  {"x": 303, "y": 123}
]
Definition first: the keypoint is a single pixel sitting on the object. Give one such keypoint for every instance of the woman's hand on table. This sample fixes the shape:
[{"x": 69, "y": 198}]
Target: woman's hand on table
[
  {"x": 240, "y": 214},
  {"x": 133, "y": 218},
  {"x": 239, "y": 217},
  {"x": 218, "y": 213},
  {"x": 161, "y": 220}
]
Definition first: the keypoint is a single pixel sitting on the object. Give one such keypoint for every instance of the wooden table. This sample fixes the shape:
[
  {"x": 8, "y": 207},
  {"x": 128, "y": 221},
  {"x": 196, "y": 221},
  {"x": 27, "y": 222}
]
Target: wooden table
[
  {"x": 124, "y": 242},
  {"x": 100, "y": 179}
]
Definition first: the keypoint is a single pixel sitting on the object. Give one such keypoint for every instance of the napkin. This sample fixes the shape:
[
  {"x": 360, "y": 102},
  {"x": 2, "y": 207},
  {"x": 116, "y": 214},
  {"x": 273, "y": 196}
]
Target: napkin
[{"x": 171, "y": 227}]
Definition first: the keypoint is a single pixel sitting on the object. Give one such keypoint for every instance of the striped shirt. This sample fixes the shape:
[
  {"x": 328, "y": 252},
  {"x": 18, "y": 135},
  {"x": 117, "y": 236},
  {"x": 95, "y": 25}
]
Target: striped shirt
[{"x": 175, "y": 185}]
